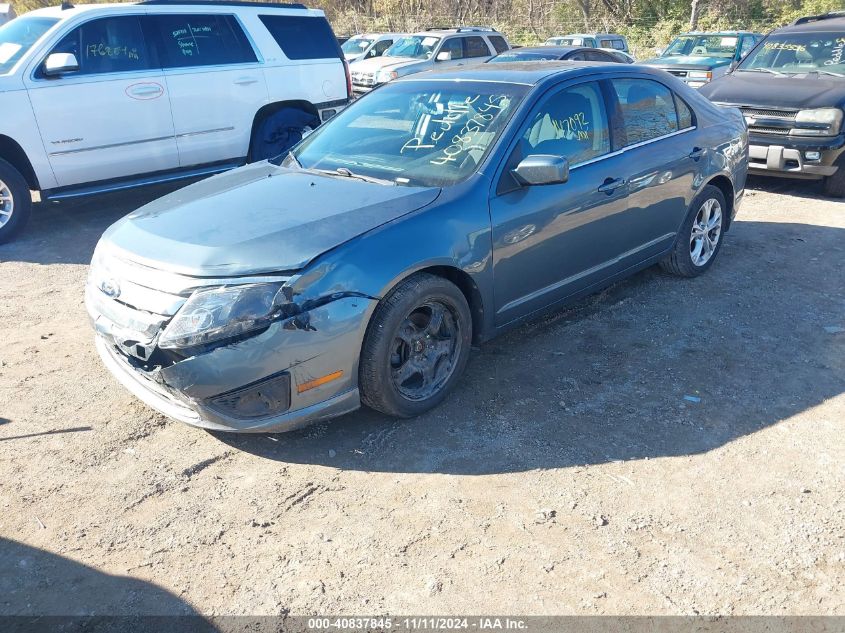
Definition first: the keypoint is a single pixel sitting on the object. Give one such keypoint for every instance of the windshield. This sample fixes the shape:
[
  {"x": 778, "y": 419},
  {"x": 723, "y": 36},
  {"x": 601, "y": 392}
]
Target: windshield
[
  {"x": 18, "y": 36},
  {"x": 799, "y": 53},
  {"x": 514, "y": 56},
  {"x": 356, "y": 45},
  {"x": 417, "y": 46},
  {"x": 413, "y": 133},
  {"x": 703, "y": 46}
]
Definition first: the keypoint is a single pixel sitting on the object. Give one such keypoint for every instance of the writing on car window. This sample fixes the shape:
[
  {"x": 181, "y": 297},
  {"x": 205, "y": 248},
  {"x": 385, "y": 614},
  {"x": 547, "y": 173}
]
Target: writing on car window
[{"x": 415, "y": 133}]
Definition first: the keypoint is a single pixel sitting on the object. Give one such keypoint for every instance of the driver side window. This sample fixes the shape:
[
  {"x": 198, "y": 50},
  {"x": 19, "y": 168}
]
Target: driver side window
[
  {"x": 571, "y": 123},
  {"x": 107, "y": 45},
  {"x": 453, "y": 46}
]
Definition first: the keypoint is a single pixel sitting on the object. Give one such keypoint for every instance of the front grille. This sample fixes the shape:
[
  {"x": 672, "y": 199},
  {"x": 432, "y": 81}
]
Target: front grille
[
  {"x": 363, "y": 79},
  {"x": 787, "y": 115},
  {"x": 779, "y": 131}
]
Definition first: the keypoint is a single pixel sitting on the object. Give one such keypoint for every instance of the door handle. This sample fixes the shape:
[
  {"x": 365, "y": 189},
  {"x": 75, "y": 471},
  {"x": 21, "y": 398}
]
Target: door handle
[
  {"x": 611, "y": 184},
  {"x": 696, "y": 153},
  {"x": 245, "y": 81},
  {"x": 147, "y": 91}
]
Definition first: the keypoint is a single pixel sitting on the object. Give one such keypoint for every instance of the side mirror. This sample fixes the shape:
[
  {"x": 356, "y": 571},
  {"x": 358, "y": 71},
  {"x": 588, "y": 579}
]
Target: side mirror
[
  {"x": 541, "y": 169},
  {"x": 444, "y": 56},
  {"x": 60, "y": 63}
]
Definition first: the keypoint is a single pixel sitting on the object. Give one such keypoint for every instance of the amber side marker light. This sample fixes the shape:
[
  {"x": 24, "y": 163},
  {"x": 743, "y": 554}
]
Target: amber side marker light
[{"x": 311, "y": 384}]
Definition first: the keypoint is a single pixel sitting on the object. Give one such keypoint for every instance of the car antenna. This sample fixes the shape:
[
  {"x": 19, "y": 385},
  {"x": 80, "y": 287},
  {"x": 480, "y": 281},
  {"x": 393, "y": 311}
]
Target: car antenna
[{"x": 67, "y": 5}]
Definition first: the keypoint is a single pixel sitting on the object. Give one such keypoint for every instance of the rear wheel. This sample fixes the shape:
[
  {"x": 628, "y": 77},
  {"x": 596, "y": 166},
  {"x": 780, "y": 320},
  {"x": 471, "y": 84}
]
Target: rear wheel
[
  {"x": 700, "y": 237},
  {"x": 275, "y": 133},
  {"x": 15, "y": 201},
  {"x": 416, "y": 347}
]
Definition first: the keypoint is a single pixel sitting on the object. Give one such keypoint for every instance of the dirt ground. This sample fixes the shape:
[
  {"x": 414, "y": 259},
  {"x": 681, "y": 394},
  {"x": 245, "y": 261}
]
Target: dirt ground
[{"x": 569, "y": 473}]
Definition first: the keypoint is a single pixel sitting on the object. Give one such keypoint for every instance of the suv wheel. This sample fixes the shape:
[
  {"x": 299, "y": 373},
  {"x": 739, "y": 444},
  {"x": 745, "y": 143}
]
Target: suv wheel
[
  {"x": 15, "y": 201},
  {"x": 416, "y": 347},
  {"x": 834, "y": 186},
  {"x": 277, "y": 132},
  {"x": 700, "y": 237}
]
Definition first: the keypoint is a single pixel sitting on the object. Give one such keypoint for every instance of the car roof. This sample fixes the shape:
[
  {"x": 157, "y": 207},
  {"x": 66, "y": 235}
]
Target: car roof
[
  {"x": 719, "y": 33},
  {"x": 75, "y": 9},
  {"x": 817, "y": 26},
  {"x": 562, "y": 50},
  {"x": 526, "y": 73}
]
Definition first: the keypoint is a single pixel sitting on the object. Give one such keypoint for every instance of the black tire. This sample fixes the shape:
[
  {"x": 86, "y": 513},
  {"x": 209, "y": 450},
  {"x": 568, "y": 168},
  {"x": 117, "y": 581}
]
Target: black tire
[
  {"x": 834, "y": 186},
  {"x": 13, "y": 185},
  {"x": 279, "y": 131},
  {"x": 397, "y": 327},
  {"x": 682, "y": 260}
]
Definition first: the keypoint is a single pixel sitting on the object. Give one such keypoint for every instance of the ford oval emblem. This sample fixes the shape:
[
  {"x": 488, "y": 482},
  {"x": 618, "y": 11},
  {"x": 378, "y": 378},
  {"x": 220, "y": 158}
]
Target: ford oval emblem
[{"x": 110, "y": 288}]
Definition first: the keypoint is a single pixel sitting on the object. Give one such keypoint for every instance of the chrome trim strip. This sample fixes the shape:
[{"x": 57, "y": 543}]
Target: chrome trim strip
[
  {"x": 140, "y": 182},
  {"x": 582, "y": 274},
  {"x": 111, "y": 146},
  {"x": 630, "y": 147},
  {"x": 219, "y": 129}
]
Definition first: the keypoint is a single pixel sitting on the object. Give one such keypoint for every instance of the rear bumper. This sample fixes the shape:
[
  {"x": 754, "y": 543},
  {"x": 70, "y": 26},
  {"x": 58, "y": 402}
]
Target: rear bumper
[{"x": 789, "y": 157}]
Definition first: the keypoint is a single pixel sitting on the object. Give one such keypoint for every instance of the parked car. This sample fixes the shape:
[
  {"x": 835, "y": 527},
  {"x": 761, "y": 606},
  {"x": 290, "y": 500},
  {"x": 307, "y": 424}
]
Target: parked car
[
  {"x": 698, "y": 58},
  {"x": 104, "y": 97},
  {"x": 435, "y": 213},
  {"x": 7, "y": 13},
  {"x": 546, "y": 53},
  {"x": 368, "y": 45},
  {"x": 435, "y": 48},
  {"x": 791, "y": 89},
  {"x": 624, "y": 57},
  {"x": 591, "y": 40}
]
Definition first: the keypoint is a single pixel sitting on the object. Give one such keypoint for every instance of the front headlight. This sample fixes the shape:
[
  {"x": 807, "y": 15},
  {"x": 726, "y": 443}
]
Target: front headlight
[
  {"x": 217, "y": 314},
  {"x": 383, "y": 76},
  {"x": 700, "y": 74},
  {"x": 819, "y": 122}
]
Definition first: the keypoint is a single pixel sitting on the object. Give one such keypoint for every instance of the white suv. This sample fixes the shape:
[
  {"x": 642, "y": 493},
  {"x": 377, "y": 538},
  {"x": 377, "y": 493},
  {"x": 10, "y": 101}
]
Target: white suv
[
  {"x": 435, "y": 48},
  {"x": 105, "y": 97}
]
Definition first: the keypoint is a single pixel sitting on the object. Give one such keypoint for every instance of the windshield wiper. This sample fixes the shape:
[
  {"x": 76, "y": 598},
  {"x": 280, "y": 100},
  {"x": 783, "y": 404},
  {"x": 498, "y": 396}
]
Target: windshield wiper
[
  {"x": 819, "y": 71},
  {"x": 763, "y": 70},
  {"x": 343, "y": 172}
]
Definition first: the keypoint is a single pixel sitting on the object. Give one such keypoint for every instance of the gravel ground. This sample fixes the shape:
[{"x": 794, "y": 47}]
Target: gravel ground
[{"x": 668, "y": 446}]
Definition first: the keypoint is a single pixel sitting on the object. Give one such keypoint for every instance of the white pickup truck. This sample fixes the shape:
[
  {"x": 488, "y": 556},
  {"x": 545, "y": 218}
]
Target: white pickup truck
[{"x": 104, "y": 97}]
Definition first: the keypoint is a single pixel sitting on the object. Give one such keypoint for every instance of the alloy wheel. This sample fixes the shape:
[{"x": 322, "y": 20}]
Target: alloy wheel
[
  {"x": 425, "y": 350},
  {"x": 7, "y": 203},
  {"x": 706, "y": 232}
]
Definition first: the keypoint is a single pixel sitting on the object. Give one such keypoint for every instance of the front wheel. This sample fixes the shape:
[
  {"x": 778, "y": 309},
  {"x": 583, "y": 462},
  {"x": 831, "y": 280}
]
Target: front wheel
[
  {"x": 15, "y": 201},
  {"x": 416, "y": 346},
  {"x": 834, "y": 186},
  {"x": 700, "y": 237}
]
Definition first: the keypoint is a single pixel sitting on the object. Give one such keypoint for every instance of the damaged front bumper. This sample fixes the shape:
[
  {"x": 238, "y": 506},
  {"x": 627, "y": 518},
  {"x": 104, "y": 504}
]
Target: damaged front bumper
[{"x": 299, "y": 371}]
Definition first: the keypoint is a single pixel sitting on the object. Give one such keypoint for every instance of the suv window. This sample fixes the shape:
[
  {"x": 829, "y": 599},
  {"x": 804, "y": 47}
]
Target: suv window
[
  {"x": 498, "y": 43},
  {"x": 201, "y": 40},
  {"x": 380, "y": 47},
  {"x": 747, "y": 44},
  {"x": 619, "y": 45},
  {"x": 302, "y": 37},
  {"x": 107, "y": 45},
  {"x": 598, "y": 56},
  {"x": 606, "y": 43},
  {"x": 475, "y": 47},
  {"x": 648, "y": 109},
  {"x": 589, "y": 41},
  {"x": 571, "y": 123},
  {"x": 453, "y": 46}
]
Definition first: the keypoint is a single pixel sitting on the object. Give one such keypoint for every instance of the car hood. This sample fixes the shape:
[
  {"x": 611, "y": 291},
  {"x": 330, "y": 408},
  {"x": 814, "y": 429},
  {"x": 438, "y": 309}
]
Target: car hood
[
  {"x": 689, "y": 62},
  {"x": 764, "y": 89},
  {"x": 383, "y": 62},
  {"x": 257, "y": 219}
]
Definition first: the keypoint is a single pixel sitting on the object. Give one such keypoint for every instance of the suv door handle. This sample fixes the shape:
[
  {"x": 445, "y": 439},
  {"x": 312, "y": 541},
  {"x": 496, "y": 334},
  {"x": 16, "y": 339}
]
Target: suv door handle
[
  {"x": 145, "y": 91},
  {"x": 245, "y": 81},
  {"x": 696, "y": 153},
  {"x": 611, "y": 185}
]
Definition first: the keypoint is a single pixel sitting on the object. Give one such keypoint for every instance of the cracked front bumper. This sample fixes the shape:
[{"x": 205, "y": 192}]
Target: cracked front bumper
[{"x": 188, "y": 390}]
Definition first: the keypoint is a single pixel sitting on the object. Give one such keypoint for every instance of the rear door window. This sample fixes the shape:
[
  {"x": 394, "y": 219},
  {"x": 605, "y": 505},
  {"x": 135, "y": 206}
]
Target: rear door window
[
  {"x": 597, "y": 56},
  {"x": 108, "y": 45},
  {"x": 302, "y": 37},
  {"x": 201, "y": 40},
  {"x": 475, "y": 47},
  {"x": 498, "y": 43},
  {"x": 647, "y": 108}
]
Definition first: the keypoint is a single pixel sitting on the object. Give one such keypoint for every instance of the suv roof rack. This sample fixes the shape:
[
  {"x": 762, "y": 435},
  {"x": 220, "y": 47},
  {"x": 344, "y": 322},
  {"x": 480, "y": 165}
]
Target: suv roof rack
[
  {"x": 817, "y": 18},
  {"x": 225, "y": 3},
  {"x": 463, "y": 29}
]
